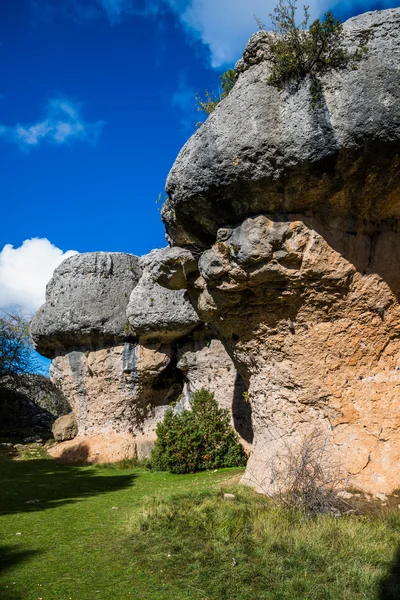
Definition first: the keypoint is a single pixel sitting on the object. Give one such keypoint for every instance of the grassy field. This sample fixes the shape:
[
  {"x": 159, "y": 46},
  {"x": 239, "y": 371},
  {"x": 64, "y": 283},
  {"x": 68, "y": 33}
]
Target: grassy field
[{"x": 86, "y": 533}]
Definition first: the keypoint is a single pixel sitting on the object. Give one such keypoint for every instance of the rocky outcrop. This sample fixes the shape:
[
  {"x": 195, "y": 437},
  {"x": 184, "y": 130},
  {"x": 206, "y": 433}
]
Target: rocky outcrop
[
  {"x": 268, "y": 151},
  {"x": 294, "y": 210},
  {"x": 85, "y": 302},
  {"x": 116, "y": 357},
  {"x": 155, "y": 313}
]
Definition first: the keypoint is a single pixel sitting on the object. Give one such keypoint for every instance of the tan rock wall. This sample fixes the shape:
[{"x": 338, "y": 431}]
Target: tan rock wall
[
  {"x": 127, "y": 389},
  {"x": 312, "y": 320},
  {"x": 119, "y": 389}
]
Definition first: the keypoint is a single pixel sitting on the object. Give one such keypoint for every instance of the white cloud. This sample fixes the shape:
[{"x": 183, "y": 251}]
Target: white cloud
[
  {"x": 25, "y": 271},
  {"x": 226, "y": 25},
  {"x": 62, "y": 123}
]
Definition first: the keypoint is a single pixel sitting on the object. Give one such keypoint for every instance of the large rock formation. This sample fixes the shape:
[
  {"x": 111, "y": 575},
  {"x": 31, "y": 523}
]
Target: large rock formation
[
  {"x": 115, "y": 337},
  {"x": 296, "y": 209},
  {"x": 268, "y": 151}
]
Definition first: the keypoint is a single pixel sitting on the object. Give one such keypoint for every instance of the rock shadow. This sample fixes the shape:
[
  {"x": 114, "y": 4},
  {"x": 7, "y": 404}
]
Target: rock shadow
[
  {"x": 10, "y": 557},
  {"x": 41, "y": 484},
  {"x": 242, "y": 411},
  {"x": 389, "y": 587}
]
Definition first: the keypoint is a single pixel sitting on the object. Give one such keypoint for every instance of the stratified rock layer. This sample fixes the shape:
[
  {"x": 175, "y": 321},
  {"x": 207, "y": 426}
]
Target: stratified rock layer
[{"x": 298, "y": 207}]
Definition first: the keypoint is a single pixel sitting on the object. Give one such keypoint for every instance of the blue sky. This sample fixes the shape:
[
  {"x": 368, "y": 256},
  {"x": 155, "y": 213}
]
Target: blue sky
[{"x": 96, "y": 100}]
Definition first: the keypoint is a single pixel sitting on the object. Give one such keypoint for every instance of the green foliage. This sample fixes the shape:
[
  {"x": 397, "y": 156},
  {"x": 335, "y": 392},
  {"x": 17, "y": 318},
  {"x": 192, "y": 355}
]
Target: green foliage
[
  {"x": 207, "y": 105},
  {"x": 301, "y": 50},
  {"x": 197, "y": 439},
  {"x": 15, "y": 345}
]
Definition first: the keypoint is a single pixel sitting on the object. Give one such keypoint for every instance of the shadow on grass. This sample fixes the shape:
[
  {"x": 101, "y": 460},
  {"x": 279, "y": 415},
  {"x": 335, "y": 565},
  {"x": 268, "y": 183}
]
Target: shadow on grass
[
  {"x": 9, "y": 558},
  {"x": 39, "y": 484},
  {"x": 389, "y": 588}
]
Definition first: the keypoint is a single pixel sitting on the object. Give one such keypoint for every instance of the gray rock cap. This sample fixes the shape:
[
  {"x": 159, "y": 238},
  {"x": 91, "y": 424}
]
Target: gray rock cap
[
  {"x": 86, "y": 301},
  {"x": 154, "y": 312},
  {"x": 268, "y": 151}
]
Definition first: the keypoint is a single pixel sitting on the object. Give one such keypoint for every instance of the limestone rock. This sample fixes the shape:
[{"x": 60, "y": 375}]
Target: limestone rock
[
  {"x": 155, "y": 313},
  {"x": 117, "y": 389},
  {"x": 268, "y": 151},
  {"x": 65, "y": 428},
  {"x": 311, "y": 318},
  {"x": 86, "y": 301},
  {"x": 95, "y": 449},
  {"x": 206, "y": 364},
  {"x": 120, "y": 377}
]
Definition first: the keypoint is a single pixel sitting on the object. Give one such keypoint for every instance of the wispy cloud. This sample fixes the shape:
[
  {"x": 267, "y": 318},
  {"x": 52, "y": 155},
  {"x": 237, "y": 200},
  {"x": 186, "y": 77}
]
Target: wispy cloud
[
  {"x": 61, "y": 124},
  {"x": 25, "y": 271}
]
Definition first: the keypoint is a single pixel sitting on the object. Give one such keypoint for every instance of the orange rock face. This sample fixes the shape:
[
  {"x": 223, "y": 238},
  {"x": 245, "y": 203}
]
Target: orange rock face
[{"x": 311, "y": 317}]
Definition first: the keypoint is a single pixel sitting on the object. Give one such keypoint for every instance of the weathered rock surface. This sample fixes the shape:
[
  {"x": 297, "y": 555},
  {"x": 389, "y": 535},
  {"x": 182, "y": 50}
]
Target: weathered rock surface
[
  {"x": 86, "y": 301},
  {"x": 266, "y": 151},
  {"x": 121, "y": 376},
  {"x": 118, "y": 389},
  {"x": 156, "y": 313},
  {"x": 312, "y": 320},
  {"x": 65, "y": 428},
  {"x": 297, "y": 210}
]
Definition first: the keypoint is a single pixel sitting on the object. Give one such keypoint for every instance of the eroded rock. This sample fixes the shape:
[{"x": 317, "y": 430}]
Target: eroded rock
[
  {"x": 65, "y": 428},
  {"x": 295, "y": 212},
  {"x": 156, "y": 313},
  {"x": 121, "y": 376},
  {"x": 86, "y": 301},
  {"x": 268, "y": 151}
]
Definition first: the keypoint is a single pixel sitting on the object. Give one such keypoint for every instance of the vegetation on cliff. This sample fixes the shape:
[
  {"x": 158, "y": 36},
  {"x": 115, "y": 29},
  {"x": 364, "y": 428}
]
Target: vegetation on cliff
[
  {"x": 208, "y": 104},
  {"x": 305, "y": 50}
]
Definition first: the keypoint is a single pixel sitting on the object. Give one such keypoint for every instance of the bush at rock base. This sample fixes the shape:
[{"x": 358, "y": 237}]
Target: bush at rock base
[{"x": 198, "y": 439}]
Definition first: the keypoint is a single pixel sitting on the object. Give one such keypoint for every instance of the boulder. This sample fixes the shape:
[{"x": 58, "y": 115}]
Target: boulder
[
  {"x": 86, "y": 301},
  {"x": 269, "y": 151},
  {"x": 154, "y": 312},
  {"x": 65, "y": 428}
]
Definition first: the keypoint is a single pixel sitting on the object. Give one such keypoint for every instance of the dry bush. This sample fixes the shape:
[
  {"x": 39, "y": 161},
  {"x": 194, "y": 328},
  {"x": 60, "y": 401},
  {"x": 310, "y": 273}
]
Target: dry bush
[{"x": 307, "y": 478}]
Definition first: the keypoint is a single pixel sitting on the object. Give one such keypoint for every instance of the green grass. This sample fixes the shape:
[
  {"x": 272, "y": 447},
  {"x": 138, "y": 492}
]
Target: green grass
[
  {"x": 74, "y": 543},
  {"x": 115, "y": 534}
]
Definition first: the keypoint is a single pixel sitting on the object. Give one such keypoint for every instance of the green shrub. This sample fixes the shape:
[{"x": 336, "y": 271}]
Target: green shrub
[
  {"x": 298, "y": 51},
  {"x": 197, "y": 439},
  {"x": 207, "y": 105}
]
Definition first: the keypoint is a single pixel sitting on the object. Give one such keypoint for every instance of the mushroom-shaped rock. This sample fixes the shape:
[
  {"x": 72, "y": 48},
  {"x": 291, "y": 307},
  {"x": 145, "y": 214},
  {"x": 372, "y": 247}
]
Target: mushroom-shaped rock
[
  {"x": 269, "y": 151},
  {"x": 156, "y": 313},
  {"x": 86, "y": 301}
]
